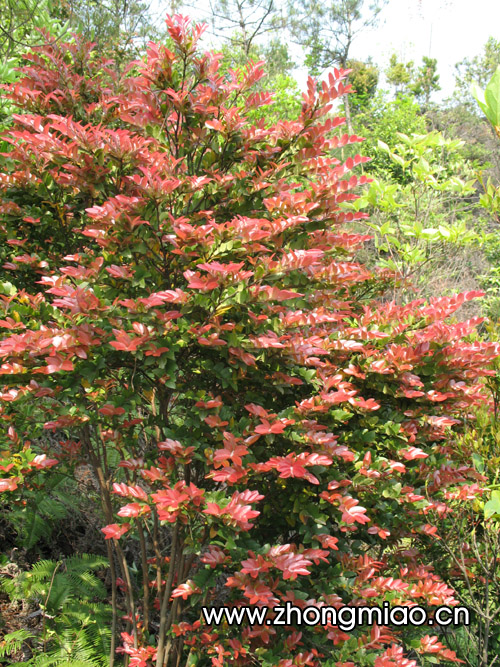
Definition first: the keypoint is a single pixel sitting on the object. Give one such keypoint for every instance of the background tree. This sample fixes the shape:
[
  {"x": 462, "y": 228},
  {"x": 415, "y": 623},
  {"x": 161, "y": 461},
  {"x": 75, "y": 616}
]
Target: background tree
[
  {"x": 116, "y": 26},
  {"x": 364, "y": 80},
  {"x": 399, "y": 74},
  {"x": 326, "y": 31},
  {"x": 459, "y": 116},
  {"x": 380, "y": 120},
  {"x": 421, "y": 216},
  {"x": 20, "y": 22},
  {"x": 425, "y": 81},
  {"x": 243, "y": 22},
  {"x": 256, "y": 30},
  {"x": 478, "y": 70}
]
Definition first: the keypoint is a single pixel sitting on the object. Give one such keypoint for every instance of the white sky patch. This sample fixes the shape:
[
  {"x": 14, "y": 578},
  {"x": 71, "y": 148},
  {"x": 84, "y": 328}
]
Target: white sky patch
[{"x": 449, "y": 30}]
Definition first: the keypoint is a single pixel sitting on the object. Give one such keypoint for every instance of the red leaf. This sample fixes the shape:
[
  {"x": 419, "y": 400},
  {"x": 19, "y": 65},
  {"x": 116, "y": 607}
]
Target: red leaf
[
  {"x": 352, "y": 512},
  {"x": 9, "y": 484},
  {"x": 133, "y": 510},
  {"x": 111, "y": 410},
  {"x": 185, "y": 590},
  {"x": 115, "y": 531}
]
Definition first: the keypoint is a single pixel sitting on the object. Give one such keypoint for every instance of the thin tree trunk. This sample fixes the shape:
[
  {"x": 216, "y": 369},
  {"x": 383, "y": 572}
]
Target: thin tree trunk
[{"x": 347, "y": 108}]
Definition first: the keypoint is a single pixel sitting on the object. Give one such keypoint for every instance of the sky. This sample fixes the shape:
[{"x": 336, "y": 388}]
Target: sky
[{"x": 449, "y": 30}]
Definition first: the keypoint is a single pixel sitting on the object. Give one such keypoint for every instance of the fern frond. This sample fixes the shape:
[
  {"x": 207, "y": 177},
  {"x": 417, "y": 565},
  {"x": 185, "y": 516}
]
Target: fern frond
[
  {"x": 12, "y": 642},
  {"x": 84, "y": 562},
  {"x": 87, "y": 585},
  {"x": 42, "y": 570},
  {"x": 48, "y": 660},
  {"x": 59, "y": 592},
  {"x": 78, "y": 621},
  {"x": 32, "y": 528},
  {"x": 71, "y": 647}
]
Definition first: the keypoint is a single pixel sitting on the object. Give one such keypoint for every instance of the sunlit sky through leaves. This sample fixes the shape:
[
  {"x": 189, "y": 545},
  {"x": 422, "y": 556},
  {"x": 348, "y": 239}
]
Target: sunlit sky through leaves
[{"x": 449, "y": 30}]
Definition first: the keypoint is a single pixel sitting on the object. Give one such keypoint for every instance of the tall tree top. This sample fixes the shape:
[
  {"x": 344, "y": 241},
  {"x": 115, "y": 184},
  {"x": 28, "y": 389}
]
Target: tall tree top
[{"x": 327, "y": 30}]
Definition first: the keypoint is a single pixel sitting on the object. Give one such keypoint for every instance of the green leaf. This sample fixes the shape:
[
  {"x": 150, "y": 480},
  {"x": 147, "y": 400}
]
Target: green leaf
[
  {"x": 492, "y": 507},
  {"x": 489, "y": 99},
  {"x": 478, "y": 462},
  {"x": 7, "y": 288},
  {"x": 492, "y": 96},
  {"x": 398, "y": 159}
]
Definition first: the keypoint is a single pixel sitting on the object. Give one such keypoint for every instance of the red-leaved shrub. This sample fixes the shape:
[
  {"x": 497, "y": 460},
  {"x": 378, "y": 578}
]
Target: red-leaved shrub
[{"x": 183, "y": 308}]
